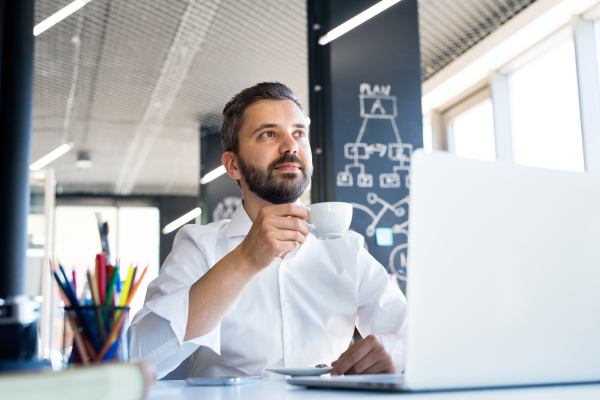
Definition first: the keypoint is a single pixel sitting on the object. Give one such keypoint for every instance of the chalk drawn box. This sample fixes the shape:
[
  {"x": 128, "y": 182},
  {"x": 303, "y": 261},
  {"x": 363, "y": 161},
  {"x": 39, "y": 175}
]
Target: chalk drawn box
[
  {"x": 378, "y": 106},
  {"x": 356, "y": 151}
]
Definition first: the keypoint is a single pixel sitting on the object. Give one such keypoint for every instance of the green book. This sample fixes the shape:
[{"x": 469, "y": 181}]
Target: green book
[{"x": 103, "y": 382}]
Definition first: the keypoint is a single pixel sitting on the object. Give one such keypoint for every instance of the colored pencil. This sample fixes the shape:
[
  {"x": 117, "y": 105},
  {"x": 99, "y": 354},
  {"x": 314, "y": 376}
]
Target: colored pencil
[
  {"x": 136, "y": 286},
  {"x": 87, "y": 346},
  {"x": 86, "y": 329},
  {"x": 74, "y": 282},
  {"x": 93, "y": 288},
  {"x": 126, "y": 287},
  {"x": 111, "y": 287},
  {"x": 109, "y": 271},
  {"x": 79, "y": 341},
  {"x": 102, "y": 277},
  {"x": 133, "y": 276}
]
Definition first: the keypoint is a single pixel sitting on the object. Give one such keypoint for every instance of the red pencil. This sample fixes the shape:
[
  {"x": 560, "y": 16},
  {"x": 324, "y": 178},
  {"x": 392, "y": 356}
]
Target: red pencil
[
  {"x": 74, "y": 283},
  {"x": 102, "y": 283}
]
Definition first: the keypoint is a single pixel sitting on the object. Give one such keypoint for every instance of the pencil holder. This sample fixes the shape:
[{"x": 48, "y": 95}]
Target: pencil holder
[{"x": 99, "y": 334}]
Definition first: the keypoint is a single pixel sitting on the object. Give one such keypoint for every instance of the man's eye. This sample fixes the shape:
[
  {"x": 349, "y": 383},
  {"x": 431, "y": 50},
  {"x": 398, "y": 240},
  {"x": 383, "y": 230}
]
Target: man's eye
[
  {"x": 300, "y": 134},
  {"x": 267, "y": 134}
]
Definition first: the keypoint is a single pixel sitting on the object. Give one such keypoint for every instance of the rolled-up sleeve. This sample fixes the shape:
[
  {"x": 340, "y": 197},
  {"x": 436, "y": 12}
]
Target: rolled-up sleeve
[
  {"x": 158, "y": 329},
  {"x": 381, "y": 308}
]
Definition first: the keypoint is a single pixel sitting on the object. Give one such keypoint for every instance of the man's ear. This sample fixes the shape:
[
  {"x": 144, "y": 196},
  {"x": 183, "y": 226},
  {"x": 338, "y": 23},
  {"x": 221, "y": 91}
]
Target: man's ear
[{"x": 230, "y": 162}]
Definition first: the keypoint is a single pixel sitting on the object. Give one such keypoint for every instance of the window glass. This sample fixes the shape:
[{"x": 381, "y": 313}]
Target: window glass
[
  {"x": 138, "y": 240},
  {"x": 544, "y": 100},
  {"x": 77, "y": 239},
  {"x": 427, "y": 134},
  {"x": 473, "y": 132}
]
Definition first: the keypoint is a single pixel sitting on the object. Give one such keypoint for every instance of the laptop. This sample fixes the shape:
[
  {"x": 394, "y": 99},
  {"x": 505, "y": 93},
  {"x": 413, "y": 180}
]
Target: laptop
[{"x": 503, "y": 282}]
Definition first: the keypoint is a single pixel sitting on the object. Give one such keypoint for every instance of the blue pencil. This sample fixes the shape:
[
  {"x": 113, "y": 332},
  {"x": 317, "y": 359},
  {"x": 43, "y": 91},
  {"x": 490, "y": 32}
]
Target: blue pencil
[
  {"x": 111, "y": 352},
  {"x": 84, "y": 324},
  {"x": 67, "y": 283}
]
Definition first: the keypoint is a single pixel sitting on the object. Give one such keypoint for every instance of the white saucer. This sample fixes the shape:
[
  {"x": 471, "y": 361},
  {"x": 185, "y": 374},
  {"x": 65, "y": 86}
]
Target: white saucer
[{"x": 310, "y": 371}]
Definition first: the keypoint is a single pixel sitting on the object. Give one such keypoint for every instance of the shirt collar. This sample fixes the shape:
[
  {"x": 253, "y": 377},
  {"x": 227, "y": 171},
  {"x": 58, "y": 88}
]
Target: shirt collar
[{"x": 240, "y": 223}]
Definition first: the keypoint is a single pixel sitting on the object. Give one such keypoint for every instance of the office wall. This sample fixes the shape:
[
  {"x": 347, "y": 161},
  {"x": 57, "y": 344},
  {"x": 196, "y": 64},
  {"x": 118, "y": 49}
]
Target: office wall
[
  {"x": 221, "y": 196},
  {"x": 366, "y": 118}
]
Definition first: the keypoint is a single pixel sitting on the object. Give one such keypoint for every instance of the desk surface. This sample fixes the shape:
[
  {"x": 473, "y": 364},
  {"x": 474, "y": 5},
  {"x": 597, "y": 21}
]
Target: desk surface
[{"x": 277, "y": 389}]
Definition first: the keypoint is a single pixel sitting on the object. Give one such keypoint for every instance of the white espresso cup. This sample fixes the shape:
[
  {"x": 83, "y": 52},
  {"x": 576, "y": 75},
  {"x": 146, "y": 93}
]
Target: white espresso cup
[{"x": 330, "y": 220}]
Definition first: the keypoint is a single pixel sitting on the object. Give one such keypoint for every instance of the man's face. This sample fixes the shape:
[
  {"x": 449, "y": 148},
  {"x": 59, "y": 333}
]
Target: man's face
[{"x": 274, "y": 155}]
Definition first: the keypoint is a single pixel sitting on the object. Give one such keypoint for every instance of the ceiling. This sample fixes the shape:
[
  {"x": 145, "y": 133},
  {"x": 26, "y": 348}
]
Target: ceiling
[{"x": 132, "y": 82}]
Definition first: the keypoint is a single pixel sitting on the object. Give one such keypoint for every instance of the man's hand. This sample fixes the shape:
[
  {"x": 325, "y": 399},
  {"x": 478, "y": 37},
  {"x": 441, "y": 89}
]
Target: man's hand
[
  {"x": 276, "y": 231},
  {"x": 366, "y": 356}
]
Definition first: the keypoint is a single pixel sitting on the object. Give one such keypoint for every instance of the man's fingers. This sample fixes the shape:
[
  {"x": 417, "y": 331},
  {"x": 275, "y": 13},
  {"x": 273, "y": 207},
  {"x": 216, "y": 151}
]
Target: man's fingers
[
  {"x": 288, "y": 223},
  {"x": 289, "y": 236},
  {"x": 366, "y": 363},
  {"x": 382, "y": 367},
  {"x": 353, "y": 355},
  {"x": 289, "y": 210}
]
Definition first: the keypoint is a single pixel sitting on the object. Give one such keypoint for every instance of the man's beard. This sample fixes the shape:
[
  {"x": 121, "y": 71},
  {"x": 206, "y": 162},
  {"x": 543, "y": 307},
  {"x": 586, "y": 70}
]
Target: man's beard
[{"x": 278, "y": 188}]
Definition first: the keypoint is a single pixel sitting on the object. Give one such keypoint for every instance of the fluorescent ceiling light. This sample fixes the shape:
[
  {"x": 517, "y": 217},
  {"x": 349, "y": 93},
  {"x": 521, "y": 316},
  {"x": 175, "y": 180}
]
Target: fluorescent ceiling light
[
  {"x": 356, "y": 21},
  {"x": 59, "y": 16},
  {"x": 212, "y": 175},
  {"x": 48, "y": 158},
  {"x": 182, "y": 220}
]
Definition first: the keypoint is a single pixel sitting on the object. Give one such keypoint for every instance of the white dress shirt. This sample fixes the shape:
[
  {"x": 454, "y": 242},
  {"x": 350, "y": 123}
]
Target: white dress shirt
[{"x": 298, "y": 312}]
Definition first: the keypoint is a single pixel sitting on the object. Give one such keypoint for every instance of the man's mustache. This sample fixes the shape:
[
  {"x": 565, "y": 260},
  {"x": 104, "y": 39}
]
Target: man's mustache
[{"x": 287, "y": 158}]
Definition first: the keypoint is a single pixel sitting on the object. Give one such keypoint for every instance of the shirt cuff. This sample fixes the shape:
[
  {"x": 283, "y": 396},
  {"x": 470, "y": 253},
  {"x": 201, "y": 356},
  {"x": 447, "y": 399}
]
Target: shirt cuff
[
  {"x": 174, "y": 307},
  {"x": 393, "y": 343}
]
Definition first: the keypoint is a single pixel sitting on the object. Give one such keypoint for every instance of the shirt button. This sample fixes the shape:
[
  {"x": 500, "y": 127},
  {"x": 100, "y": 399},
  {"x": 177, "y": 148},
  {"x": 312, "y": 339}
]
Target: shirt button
[
  {"x": 289, "y": 347},
  {"x": 287, "y": 305}
]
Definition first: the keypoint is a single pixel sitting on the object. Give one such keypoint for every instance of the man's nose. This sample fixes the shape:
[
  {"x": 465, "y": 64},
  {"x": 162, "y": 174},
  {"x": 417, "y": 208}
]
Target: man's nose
[{"x": 289, "y": 144}]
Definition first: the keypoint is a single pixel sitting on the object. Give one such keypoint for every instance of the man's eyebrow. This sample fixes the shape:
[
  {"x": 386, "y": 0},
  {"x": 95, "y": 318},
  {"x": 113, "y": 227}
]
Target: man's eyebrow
[
  {"x": 263, "y": 126},
  {"x": 300, "y": 126}
]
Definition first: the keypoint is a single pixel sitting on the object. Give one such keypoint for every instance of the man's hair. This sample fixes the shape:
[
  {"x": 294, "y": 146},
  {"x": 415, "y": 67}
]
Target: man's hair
[{"x": 233, "y": 113}]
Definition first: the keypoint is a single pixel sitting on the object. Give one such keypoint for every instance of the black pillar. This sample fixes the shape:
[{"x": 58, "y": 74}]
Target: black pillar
[
  {"x": 221, "y": 196},
  {"x": 365, "y": 109},
  {"x": 16, "y": 102}
]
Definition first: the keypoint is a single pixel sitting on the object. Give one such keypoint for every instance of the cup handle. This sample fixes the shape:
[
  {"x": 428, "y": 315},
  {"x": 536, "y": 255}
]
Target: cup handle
[{"x": 306, "y": 222}]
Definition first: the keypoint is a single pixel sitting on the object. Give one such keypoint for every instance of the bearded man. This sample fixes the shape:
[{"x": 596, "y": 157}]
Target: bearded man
[{"x": 260, "y": 290}]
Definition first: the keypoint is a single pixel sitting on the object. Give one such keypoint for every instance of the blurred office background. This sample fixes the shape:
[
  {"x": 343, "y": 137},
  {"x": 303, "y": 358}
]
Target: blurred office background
[{"x": 131, "y": 93}]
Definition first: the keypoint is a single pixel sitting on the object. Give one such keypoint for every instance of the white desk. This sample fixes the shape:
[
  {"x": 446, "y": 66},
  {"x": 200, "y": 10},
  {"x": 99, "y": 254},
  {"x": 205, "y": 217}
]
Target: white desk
[{"x": 278, "y": 389}]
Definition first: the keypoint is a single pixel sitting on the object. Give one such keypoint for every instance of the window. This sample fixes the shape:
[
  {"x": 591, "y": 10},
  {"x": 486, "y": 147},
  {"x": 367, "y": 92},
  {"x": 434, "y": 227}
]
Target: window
[
  {"x": 470, "y": 127},
  {"x": 546, "y": 127},
  {"x": 473, "y": 132}
]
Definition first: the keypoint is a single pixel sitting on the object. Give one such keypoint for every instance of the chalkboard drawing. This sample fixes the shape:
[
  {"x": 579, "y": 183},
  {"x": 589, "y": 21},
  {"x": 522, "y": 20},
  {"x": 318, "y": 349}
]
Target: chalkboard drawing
[
  {"x": 398, "y": 261},
  {"x": 226, "y": 208},
  {"x": 376, "y": 103},
  {"x": 399, "y": 210}
]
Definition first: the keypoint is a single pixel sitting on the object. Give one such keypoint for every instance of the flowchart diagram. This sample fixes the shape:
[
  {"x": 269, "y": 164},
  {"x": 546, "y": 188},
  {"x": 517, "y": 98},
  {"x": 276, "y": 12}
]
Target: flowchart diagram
[{"x": 377, "y": 103}]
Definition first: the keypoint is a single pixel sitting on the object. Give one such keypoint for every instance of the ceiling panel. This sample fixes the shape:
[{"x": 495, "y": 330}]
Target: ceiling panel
[
  {"x": 132, "y": 82},
  {"x": 448, "y": 28}
]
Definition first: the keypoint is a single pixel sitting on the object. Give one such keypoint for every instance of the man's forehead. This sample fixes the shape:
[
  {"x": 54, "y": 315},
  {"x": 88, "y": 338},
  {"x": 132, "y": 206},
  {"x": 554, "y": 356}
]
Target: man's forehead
[{"x": 273, "y": 109}]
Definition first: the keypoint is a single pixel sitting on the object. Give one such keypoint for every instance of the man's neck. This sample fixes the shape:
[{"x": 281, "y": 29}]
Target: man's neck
[{"x": 253, "y": 204}]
